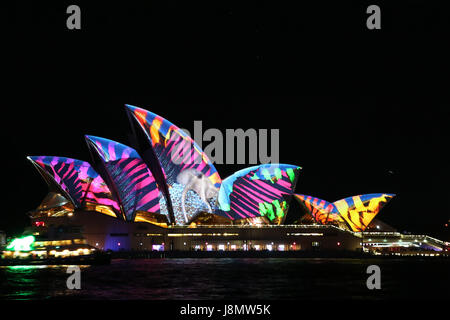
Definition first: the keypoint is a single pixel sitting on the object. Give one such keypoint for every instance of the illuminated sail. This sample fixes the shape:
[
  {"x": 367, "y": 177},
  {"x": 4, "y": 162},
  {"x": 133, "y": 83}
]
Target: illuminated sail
[
  {"x": 193, "y": 181},
  {"x": 263, "y": 190},
  {"x": 76, "y": 180},
  {"x": 359, "y": 211},
  {"x": 175, "y": 149},
  {"x": 132, "y": 180},
  {"x": 322, "y": 211}
]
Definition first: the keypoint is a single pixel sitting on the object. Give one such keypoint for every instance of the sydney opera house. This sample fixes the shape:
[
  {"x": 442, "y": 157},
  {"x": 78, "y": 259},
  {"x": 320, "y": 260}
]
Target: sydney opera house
[{"x": 163, "y": 193}]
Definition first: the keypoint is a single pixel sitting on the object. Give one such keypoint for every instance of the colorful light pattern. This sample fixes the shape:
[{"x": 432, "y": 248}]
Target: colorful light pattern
[
  {"x": 321, "y": 210},
  {"x": 263, "y": 190},
  {"x": 193, "y": 181},
  {"x": 175, "y": 150},
  {"x": 135, "y": 185},
  {"x": 193, "y": 204},
  {"x": 78, "y": 179},
  {"x": 260, "y": 193},
  {"x": 357, "y": 211}
]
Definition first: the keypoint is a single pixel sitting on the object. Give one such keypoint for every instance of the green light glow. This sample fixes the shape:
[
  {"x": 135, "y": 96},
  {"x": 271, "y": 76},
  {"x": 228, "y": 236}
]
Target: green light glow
[
  {"x": 266, "y": 209},
  {"x": 279, "y": 210},
  {"x": 262, "y": 209},
  {"x": 278, "y": 173},
  {"x": 21, "y": 244},
  {"x": 270, "y": 213},
  {"x": 291, "y": 174},
  {"x": 266, "y": 174}
]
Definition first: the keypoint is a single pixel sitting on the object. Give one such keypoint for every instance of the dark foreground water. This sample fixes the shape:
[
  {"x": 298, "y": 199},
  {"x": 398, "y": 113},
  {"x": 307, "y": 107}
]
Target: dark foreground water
[{"x": 232, "y": 279}]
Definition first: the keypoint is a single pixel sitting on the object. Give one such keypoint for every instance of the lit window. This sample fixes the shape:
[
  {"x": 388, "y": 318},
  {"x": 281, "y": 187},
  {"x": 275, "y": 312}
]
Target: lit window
[
  {"x": 269, "y": 247},
  {"x": 157, "y": 247}
]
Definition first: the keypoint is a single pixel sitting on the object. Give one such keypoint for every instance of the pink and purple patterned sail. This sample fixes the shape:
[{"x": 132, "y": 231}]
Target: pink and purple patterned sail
[
  {"x": 77, "y": 179},
  {"x": 263, "y": 190},
  {"x": 175, "y": 150},
  {"x": 133, "y": 182}
]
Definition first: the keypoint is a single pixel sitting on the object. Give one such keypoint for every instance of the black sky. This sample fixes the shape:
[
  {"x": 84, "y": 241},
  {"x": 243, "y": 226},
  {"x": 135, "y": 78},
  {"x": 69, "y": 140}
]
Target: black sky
[{"x": 361, "y": 111}]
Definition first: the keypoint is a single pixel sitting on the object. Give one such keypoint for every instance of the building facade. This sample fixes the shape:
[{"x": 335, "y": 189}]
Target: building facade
[{"x": 107, "y": 233}]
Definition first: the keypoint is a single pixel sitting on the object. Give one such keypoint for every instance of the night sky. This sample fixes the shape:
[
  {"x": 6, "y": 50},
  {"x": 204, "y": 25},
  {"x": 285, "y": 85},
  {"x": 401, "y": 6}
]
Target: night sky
[{"x": 361, "y": 111}]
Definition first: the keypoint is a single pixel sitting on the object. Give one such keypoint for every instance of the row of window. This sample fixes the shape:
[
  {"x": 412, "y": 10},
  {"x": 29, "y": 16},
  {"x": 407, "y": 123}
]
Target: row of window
[{"x": 59, "y": 242}]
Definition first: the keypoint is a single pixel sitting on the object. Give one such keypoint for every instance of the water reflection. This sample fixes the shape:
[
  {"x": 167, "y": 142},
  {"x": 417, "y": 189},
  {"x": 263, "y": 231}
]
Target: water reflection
[
  {"x": 33, "y": 282},
  {"x": 251, "y": 278}
]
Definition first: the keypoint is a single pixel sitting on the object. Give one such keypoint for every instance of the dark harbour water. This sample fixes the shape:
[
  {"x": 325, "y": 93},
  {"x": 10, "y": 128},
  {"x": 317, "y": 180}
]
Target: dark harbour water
[{"x": 254, "y": 278}]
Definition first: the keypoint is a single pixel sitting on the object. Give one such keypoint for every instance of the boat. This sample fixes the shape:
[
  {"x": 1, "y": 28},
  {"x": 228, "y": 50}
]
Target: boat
[{"x": 50, "y": 249}]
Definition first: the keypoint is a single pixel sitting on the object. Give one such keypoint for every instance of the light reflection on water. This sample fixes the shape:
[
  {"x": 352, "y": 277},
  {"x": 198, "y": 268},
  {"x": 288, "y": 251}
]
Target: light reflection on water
[
  {"x": 277, "y": 278},
  {"x": 33, "y": 282}
]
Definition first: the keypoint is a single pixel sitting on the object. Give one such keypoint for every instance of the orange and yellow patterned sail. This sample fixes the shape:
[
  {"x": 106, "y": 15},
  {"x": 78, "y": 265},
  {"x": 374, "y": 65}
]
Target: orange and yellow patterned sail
[{"x": 357, "y": 211}]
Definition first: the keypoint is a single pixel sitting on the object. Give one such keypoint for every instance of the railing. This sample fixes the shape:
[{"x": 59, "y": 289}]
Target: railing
[
  {"x": 404, "y": 239},
  {"x": 425, "y": 238},
  {"x": 268, "y": 226},
  {"x": 257, "y": 226},
  {"x": 377, "y": 233}
]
